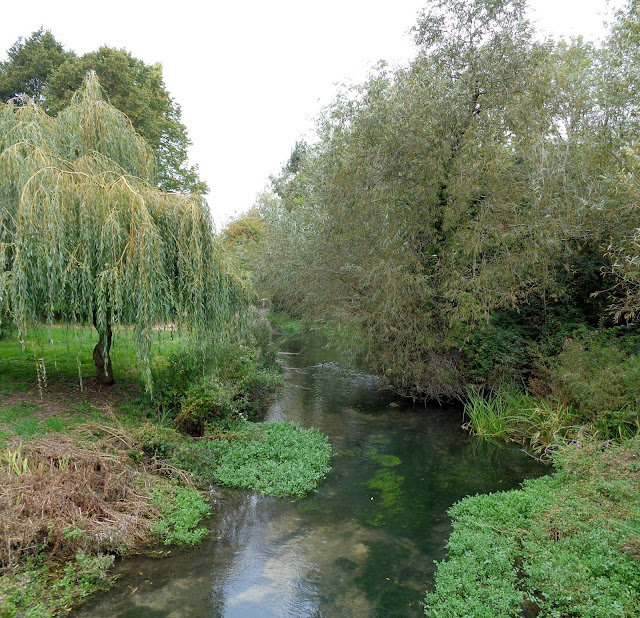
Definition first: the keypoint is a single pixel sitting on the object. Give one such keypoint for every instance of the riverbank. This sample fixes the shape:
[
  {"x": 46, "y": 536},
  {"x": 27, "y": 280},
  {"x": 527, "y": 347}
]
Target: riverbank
[
  {"x": 564, "y": 545},
  {"x": 89, "y": 473},
  {"x": 363, "y": 544}
]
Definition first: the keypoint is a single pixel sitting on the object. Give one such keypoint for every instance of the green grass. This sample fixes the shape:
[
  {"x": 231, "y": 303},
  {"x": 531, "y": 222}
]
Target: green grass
[
  {"x": 24, "y": 420},
  {"x": 12, "y": 413},
  {"x": 541, "y": 423},
  {"x": 62, "y": 355},
  {"x": 563, "y": 545},
  {"x": 42, "y": 381}
]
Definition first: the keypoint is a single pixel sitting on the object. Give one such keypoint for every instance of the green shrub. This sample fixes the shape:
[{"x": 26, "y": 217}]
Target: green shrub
[
  {"x": 505, "y": 349},
  {"x": 156, "y": 440},
  {"x": 597, "y": 373},
  {"x": 206, "y": 399},
  {"x": 214, "y": 382},
  {"x": 285, "y": 324}
]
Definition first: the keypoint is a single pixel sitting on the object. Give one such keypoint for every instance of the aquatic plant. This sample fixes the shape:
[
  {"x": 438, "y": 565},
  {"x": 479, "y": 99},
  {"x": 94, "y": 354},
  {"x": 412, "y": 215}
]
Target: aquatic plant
[
  {"x": 563, "y": 545},
  {"x": 280, "y": 459}
]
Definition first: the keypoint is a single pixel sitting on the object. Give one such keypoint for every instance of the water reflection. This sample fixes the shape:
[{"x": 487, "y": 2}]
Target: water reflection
[{"x": 362, "y": 545}]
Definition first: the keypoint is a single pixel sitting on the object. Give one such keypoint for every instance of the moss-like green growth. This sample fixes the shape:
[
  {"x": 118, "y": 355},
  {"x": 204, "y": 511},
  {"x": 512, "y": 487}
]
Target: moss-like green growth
[{"x": 387, "y": 461}]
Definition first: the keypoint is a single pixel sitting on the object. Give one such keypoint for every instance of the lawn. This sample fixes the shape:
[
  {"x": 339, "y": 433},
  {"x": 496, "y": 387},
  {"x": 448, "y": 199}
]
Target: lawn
[{"x": 48, "y": 382}]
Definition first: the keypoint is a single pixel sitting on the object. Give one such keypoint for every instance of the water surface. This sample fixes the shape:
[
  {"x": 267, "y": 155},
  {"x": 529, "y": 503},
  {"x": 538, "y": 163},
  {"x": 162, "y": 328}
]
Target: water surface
[{"x": 363, "y": 545}]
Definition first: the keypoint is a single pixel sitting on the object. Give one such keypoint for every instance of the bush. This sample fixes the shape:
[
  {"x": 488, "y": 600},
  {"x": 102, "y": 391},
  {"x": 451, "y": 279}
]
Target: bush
[
  {"x": 597, "y": 373},
  {"x": 504, "y": 351},
  {"x": 237, "y": 383},
  {"x": 215, "y": 381}
]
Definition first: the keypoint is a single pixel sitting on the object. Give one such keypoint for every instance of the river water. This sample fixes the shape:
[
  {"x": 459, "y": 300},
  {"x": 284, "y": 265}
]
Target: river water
[{"x": 362, "y": 545}]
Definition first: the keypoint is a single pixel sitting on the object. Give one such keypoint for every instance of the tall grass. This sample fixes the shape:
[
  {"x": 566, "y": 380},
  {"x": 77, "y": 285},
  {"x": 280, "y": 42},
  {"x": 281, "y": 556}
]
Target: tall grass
[{"x": 513, "y": 415}]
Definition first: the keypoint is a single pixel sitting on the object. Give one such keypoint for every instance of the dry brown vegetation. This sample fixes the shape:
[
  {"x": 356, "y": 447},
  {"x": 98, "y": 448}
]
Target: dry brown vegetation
[{"x": 62, "y": 497}]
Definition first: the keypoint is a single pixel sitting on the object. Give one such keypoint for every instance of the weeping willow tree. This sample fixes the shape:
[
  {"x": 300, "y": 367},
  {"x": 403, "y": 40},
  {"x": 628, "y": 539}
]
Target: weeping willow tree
[{"x": 85, "y": 238}]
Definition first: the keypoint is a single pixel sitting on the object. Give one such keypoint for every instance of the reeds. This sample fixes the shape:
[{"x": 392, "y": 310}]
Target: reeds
[{"x": 512, "y": 415}]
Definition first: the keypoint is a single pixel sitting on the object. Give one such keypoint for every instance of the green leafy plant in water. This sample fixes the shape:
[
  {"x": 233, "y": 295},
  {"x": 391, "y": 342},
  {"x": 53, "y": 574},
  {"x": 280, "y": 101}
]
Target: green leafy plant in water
[
  {"x": 566, "y": 545},
  {"x": 387, "y": 482},
  {"x": 280, "y": 459},
  {"x": 387, "y": 461},
  {"x": 86, "y": 572},
  {"x": 182, "y": 509}
]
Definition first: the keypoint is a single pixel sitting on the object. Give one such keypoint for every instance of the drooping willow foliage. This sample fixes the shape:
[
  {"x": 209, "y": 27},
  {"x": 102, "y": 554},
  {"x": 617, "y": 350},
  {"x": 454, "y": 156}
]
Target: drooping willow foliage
[{"x": 86, "y": 239}]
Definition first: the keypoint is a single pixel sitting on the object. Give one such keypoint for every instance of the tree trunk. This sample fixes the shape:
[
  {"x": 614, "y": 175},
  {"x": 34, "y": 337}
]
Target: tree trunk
[{"x": 100, "y": 353}]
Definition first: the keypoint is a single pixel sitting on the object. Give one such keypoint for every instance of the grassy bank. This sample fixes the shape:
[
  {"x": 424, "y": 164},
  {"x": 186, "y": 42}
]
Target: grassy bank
[
  {"x": 563, "y": 545},
  {"x": 89, "y": 473}
]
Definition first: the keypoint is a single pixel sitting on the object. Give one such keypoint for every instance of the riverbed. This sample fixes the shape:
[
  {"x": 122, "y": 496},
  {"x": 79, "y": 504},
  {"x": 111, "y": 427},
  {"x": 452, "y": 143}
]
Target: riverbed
[{"x": 362, "y": 545}]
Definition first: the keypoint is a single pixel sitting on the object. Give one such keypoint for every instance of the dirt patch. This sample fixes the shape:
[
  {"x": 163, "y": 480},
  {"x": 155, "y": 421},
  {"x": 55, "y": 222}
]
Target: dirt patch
[{"x": 60, "y": 398}]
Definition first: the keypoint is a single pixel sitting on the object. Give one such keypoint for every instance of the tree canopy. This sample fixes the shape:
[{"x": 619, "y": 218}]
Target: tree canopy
[
  {"x": 86, "y": 239},
  {"x": 39, "y": 67},
  {"x": 29, "y": 66},
  {"x": 460, "y": 205}
]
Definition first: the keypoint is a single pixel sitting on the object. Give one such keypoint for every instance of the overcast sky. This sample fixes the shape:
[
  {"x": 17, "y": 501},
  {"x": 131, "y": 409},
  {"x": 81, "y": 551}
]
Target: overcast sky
[{"x": 251, "y": 76}]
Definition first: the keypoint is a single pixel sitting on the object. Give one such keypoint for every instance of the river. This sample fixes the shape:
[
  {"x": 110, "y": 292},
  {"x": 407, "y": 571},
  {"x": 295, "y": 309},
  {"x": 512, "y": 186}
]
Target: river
[{"x": 362, "y": 545}]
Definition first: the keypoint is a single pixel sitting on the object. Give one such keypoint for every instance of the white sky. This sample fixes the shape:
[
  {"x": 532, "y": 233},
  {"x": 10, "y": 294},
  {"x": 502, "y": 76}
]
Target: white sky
[{"x": 251, "y": 75}]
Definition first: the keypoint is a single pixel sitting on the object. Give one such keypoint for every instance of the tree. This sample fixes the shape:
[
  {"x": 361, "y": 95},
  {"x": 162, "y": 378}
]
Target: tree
[
  {"x": 31, "y": 62},
  {"x": 462, "y": 190},
  {"x": 619, "y": 100},
  {"x": 138, "y": 90},
  {"x": 85, "y": 237},
  {"x": 41, "y": 69},
  {"x": 406, "y": 164},
  {"x": 246, "y": 229}
]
